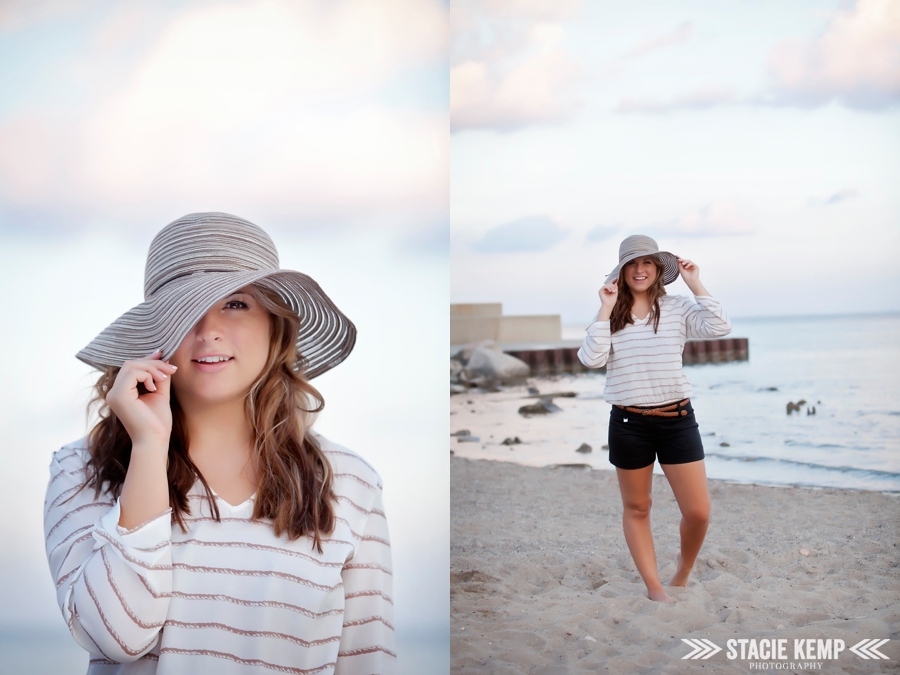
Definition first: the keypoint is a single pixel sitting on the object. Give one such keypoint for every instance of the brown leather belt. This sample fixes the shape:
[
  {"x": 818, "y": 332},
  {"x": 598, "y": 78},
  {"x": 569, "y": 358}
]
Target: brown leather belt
[{"x": 670, "y": 410}]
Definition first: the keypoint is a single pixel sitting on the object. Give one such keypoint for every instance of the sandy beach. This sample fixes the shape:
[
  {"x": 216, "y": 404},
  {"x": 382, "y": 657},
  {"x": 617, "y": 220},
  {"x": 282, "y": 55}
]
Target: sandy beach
[{"x": 542, "y": 581}]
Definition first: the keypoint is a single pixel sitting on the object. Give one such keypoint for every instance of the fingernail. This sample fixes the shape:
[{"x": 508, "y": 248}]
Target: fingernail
[{"x": 164, "y": 376}]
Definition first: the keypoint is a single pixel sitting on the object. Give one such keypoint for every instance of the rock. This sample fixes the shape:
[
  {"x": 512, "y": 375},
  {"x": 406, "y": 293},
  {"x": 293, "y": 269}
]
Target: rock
[
  {"x": 802, "y": 401},
  {"x": 533, "y": 391},
  {"x": 458, "y": 389},
  {"x": 589, "y": 638},
  {"x": 467, "y": 439},
  {"x": 791, "y": 407},
  {"x": 542, "y": 407},
  {"x": 723, "y": 444},
  {"x": 452, "y": 453},
  {"x": 456, "y": 368},
  {"x": 584, "y": 448},
  {"x": 497, "y": 366},
  {"x": 515, "y": 440},
  {"x": 462, "y": 432},
  {"x": 811, "y": 412},
  {"x": 464, "y": 354},
  {"x": 804, "y": 551},
  {"x": 559, "y": 394},
  {"x": 604, "y": 447},
  {"x": 769, "y": 389}
]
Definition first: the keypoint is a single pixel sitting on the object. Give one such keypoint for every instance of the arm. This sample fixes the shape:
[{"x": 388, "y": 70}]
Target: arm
[
  {"x": 112, "y": 584},
  {"x": 594, "y": 351},
  {"x": 706, "y": 318},
  {"x": 367, "y": 638},
  {"x": 112, "y": 561}
]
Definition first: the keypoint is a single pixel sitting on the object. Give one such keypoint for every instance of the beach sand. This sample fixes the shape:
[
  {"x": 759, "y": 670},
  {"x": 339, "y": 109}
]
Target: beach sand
[{"x": 542, "y": 581}]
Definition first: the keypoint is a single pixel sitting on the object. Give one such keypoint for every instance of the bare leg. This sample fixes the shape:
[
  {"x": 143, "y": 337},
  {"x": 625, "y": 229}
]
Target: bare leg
[
  {"x": 688, "y": 483},
  {"x": 635, "y": 486}
]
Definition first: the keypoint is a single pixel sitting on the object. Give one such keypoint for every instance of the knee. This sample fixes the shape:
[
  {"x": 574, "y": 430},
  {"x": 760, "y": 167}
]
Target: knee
[
  {"x": 638, "y": 508},
  {"x": 697, "y": 516}
]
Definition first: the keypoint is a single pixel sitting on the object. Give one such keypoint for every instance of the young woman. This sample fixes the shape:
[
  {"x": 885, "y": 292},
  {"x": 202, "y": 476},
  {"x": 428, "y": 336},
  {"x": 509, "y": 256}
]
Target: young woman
[
  {"x": 639, "y": 335},
  {"x": 202, "y": 525}
]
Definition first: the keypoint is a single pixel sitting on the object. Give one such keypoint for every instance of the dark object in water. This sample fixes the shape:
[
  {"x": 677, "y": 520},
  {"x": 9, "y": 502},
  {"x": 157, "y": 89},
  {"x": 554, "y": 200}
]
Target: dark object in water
[
  {"x": 723, "y": 444},
  {"x": 462, "y": 432},
  {"x": 584, "y": 449},
  {"x": 811, "y": 412},
  {"x": 515, "y": 440},
  {"x": 558, "y": 394},
  {"x": 467, "y": 439}
]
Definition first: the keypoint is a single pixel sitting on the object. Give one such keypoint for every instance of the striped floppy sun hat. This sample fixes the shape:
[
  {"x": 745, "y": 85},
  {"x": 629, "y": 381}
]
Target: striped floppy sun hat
[
  {"x": 196, "y": 261},
  {"x": 639, "y": 245}
]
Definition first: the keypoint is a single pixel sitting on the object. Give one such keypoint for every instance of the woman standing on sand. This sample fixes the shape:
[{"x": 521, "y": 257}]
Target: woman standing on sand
[
  {"x": 639, "y": 335},
  {"x": 202, "y": 525}
]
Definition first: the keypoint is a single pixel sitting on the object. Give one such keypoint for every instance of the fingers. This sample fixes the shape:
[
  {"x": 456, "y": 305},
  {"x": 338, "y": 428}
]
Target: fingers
[{"x": 150, "y": 371}]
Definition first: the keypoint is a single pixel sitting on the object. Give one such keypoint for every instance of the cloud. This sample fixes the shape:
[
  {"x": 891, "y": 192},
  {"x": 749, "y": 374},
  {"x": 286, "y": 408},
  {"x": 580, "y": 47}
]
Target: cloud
[
  {"x": 679, "y": 35},
  {"x": 714, "y": 219},
  {"x": 836, "y": 198},
  {"x": 699, "y": 99},
  {"x": 603, "y": 232},
  {"x": 250, "y": 106},
  {"x": 531, "y": 233},
  {"x": 510, "y": 69},
  {"x": 856, "y": 61}
]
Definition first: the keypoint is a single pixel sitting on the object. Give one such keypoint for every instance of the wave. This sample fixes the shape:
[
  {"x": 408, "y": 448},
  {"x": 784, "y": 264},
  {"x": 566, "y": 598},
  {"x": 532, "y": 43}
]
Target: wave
[{"x": 777, "y": 471}]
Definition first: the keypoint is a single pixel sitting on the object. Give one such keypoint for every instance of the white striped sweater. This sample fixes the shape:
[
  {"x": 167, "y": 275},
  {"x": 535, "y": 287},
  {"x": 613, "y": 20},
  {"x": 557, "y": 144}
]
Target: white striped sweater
[
  {"x": 643, "y": 367},
  {"x": 226, "y": 597}
]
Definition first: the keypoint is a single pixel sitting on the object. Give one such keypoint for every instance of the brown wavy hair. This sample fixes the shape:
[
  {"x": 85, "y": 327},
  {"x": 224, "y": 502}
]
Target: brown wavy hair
[
  {"x": 296, "y": 483},
  {"x": 621, "y": 313}
]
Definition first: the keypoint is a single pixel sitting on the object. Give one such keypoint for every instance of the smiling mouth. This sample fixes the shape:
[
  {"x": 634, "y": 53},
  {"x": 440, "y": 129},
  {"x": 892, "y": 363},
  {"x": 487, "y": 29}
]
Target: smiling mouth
[
  {"x": 213, "y": 359},
  {"x": 640, "y": 278}
]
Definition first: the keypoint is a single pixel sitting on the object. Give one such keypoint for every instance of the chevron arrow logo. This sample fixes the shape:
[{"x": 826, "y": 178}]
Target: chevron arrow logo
[
  {"x": 868, "y": 649},
  {"x": 703, "y": 648}
]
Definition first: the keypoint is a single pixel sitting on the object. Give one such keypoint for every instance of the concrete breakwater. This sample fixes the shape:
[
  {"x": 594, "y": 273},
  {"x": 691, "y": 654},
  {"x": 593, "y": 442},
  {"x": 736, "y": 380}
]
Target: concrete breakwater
[{"x": 551, "y": 359}]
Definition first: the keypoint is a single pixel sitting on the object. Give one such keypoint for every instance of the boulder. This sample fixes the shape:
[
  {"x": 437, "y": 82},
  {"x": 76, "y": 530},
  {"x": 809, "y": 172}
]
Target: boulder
[
  {"x": 584, "y": 448},
  {"x": 464, "y": 354},
  {"x": 498, "y": 366}
]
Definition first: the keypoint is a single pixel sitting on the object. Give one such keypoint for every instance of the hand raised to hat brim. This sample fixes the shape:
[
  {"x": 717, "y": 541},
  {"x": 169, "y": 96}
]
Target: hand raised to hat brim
[
  {"x": 146, "y": 416},
  {"x": 609, "y": 293},
  {"x": 690, "y": 272}
]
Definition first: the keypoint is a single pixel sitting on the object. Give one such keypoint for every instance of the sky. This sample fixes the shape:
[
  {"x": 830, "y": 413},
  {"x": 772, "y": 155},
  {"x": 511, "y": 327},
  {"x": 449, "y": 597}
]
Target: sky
[
  {"x": 324, "y": 123},
  {"x": 760, "y": 139}
]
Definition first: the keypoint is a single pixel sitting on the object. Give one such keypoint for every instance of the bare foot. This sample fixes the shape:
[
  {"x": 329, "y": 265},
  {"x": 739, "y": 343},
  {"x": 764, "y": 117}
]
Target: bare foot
[
  {"x": 681, "y": 575},
  {"x": 660, "y": 595}
]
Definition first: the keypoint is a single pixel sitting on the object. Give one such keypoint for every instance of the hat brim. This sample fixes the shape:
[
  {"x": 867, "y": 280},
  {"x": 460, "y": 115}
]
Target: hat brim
[
  {"x": 669, "y": 261},
  {"x": 325, "y": 339}
]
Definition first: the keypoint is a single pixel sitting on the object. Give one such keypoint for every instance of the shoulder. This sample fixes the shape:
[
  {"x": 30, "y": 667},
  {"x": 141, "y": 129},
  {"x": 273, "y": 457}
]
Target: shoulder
[
  {"x": 345, "y": 463},
  {"x": 675, "y": 303},
  {"x": 72, "y": 457}
]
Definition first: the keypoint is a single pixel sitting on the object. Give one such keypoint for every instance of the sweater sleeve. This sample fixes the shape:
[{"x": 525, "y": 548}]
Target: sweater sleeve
[
  {"x": 705, "y": 318},
  {"x": 594, "y": 351},
  {"x": 367, "y": 637},
  {"x": 112, "y": 585}
]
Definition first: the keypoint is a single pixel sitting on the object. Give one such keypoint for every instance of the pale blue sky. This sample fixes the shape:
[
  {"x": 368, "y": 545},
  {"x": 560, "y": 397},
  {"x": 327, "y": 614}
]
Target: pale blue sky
[{"x": 758, "y": 138}]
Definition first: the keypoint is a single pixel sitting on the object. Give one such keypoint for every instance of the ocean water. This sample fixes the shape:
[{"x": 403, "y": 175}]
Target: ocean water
[{"x": 847, "y": 367}]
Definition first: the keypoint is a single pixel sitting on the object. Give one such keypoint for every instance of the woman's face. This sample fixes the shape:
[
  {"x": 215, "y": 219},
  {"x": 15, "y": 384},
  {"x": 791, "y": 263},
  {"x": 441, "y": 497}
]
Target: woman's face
[
  {"x": 640, "y": 273},
  {"x": 225, "y": 353}
]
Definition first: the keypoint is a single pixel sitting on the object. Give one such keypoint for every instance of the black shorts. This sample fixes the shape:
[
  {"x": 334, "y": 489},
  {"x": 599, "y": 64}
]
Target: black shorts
[{"x": 636, "y": 440}]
